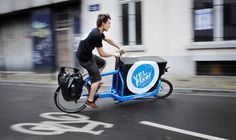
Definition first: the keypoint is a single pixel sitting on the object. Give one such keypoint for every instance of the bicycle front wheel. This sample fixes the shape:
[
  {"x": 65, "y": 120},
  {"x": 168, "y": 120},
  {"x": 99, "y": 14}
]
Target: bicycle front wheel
[
  {"x": 165, "y": 90},
  {"x": 70, "y": 106}
]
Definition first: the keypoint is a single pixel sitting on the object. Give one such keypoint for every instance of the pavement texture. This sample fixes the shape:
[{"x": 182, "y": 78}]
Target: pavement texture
[{"x": 180, "y": 82}]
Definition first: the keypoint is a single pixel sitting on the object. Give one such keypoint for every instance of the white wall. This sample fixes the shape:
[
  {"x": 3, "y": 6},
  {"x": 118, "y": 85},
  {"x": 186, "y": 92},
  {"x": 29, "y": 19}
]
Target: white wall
[
  {"x": 166, "y": 29},
  {"x": 7, "y": 6},
  {"x": 106, "y": 6},
  {"x": 177, "y": 35},
  {"x": 167, "y": 33},
  {"x": 16, "y": 44},
  {"x": 89, "y": 18}
]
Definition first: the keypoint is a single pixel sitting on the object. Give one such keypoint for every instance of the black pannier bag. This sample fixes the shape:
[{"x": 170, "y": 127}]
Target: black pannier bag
[{"x": 71, "y": 84}]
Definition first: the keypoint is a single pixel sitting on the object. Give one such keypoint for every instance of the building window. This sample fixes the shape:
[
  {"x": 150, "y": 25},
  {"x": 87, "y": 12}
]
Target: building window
[
  {"x": 138, "y": 23},
  {"x": 203, "y": 20},
  {"x": 216, "y": 68},
  {"x": 63, "y": 19},
  {"x": 214, "y": 20},
  {"x": 131, "y": 22},
  {"x": 125, "y": 24},
  {"x": 229, "y": 20}
]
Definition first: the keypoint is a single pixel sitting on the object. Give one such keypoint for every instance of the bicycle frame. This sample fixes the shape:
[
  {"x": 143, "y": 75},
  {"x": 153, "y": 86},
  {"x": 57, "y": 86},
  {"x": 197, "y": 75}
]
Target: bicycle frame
[
  {"x": 118, "y": 95},
  {"x": 143, "y": 80}
]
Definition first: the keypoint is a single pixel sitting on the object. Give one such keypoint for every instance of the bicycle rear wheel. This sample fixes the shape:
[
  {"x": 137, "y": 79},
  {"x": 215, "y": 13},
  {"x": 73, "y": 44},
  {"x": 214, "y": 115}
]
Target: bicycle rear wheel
[
  {"x": 71, "y": 106},
  {"x": 166, "y": 89}
]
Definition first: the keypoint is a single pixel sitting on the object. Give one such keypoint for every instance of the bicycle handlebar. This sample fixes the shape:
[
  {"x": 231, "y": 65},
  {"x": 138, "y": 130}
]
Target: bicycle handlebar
[{"x": 121, "y": 52}]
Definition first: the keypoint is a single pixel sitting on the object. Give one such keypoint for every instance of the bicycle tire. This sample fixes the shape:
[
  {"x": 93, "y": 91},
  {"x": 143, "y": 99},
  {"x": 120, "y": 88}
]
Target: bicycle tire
[
  {"x": 71, "y": 106},
  {"x": 166, "y": 89}
]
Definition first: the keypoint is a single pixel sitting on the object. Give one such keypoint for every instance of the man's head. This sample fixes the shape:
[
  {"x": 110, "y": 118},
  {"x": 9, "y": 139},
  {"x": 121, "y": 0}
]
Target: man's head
[{"x": 103, "y": 21}]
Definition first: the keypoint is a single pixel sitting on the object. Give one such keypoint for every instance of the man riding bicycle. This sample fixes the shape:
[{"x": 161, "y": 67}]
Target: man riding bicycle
[{"x": 93, "y": 63}]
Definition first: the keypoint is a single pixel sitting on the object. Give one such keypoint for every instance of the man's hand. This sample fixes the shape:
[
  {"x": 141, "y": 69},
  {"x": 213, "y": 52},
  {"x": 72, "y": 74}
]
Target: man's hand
[
  {"x": 121, "y": 50},
  {"x": 117, "y": 55}
]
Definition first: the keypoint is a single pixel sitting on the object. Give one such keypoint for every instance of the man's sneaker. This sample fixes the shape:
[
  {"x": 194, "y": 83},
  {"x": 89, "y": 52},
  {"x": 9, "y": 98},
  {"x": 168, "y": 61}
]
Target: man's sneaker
[{"x": 91, "y": 104}]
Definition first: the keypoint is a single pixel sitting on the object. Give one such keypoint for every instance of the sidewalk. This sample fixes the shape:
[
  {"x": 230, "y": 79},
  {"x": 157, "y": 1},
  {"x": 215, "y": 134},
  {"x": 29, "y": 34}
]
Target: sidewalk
[
  {"x": 180, "y": 82},
  {"x": 204, "y": 83}
]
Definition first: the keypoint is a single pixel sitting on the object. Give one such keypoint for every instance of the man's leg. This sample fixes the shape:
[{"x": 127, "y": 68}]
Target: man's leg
[
  {"x": 94, "y": 74},
  {"x": 101, "y": 69},
  {"x": 93, "y": 89},
  {"x": 95, "y": 79},
  {"x": 101, "y": 63}
]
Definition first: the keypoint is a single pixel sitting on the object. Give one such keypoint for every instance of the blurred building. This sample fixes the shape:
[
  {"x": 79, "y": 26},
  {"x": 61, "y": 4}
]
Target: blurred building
[
  {"x": 197, "y": 37},
  {"x": 38, "y": 35}
]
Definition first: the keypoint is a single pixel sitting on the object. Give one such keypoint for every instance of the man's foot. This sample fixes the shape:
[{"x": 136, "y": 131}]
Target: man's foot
[{"x": 91, "y": 104}]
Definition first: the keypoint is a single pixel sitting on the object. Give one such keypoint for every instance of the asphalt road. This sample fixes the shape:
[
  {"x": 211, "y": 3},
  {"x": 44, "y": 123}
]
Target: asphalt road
[{"x": 27, "y": 112}]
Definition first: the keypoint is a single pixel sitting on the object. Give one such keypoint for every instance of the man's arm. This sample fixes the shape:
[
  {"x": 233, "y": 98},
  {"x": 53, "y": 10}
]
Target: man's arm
[
  {"x": 111, "y": 42},
  {"x": 103, "y": 53}
]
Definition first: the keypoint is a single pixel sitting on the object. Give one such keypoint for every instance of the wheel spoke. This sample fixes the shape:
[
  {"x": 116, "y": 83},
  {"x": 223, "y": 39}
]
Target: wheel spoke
[
  {"x": 165, "y": 90},
  {"x": 71, "y": 106}
]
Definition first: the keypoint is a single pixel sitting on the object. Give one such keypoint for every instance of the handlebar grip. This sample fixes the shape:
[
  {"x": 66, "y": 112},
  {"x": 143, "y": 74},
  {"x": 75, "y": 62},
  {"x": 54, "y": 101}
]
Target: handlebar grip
[{"x": 121, "y": 52}]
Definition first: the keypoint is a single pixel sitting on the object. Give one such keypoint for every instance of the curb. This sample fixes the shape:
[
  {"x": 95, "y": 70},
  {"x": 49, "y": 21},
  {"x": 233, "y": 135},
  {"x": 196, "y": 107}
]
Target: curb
[
  {"x": 27, "y": 82},
  {"x": 203, "y": 90},
  {"x": 177, "y": 89}
]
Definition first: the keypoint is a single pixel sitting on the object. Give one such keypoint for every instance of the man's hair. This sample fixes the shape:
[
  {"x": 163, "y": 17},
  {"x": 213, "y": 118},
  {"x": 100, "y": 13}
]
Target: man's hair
[{"x": 102, "y": 18}]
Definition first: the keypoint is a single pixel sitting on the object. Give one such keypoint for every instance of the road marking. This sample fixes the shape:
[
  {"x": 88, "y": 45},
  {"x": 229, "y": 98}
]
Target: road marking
[
  {"x": 181, "y": 131},
  {"x": 61, "y": 124}
]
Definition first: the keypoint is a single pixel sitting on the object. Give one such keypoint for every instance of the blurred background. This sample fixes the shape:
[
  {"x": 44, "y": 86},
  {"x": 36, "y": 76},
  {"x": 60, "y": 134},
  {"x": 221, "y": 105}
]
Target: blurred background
[{"x": 196, "y": 37}]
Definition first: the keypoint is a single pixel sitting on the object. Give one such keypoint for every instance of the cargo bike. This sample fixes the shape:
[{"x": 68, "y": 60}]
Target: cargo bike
[{"x": 133, "y": 78}]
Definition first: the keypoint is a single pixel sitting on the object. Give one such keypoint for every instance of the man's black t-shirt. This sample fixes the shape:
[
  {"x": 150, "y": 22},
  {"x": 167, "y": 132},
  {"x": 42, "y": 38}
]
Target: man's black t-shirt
[{"x": 88, "y": 43}]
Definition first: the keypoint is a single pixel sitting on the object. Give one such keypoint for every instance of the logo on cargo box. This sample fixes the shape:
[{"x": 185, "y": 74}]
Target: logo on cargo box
[{"x": 142, "y": 76}]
